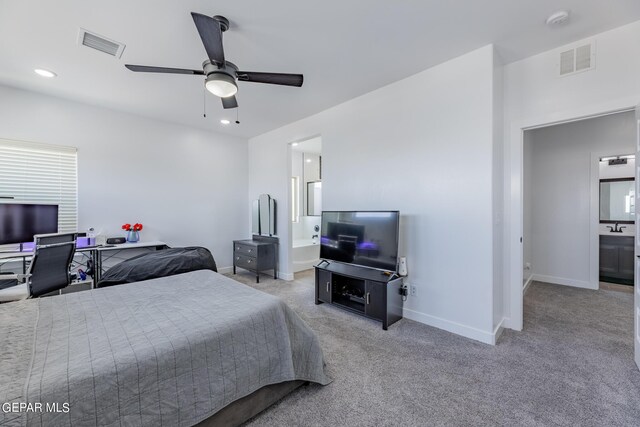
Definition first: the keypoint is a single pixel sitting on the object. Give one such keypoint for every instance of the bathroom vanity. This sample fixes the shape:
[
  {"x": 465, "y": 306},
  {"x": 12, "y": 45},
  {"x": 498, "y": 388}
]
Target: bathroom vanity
[
  {"x": 617, "y": 230},
  {"x": 616, "y": 259}
]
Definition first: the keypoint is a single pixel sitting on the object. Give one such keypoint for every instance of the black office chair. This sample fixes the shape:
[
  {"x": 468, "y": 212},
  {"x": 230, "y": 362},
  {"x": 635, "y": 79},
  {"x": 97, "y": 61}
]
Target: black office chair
[{"x": 48, "y": 271}]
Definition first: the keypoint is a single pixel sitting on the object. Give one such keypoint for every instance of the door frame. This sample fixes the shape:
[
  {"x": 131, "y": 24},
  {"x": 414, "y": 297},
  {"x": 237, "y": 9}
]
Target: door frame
[
  {"x": 514, "y": 210},
  {"x": 289, "y": 242}
]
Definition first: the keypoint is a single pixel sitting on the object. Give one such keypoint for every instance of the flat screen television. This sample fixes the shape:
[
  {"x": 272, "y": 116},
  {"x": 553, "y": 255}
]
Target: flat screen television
[
  {"x": 19, "y": 222},
  {"x": 366, "y": 238}
]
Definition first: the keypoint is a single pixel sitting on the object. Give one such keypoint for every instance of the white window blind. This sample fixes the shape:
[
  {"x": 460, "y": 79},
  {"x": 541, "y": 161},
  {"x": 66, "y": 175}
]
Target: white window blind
[{"x": 41, "y": 173}]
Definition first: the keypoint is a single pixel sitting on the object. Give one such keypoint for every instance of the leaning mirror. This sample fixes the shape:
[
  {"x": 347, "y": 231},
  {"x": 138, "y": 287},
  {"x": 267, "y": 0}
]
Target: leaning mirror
[
  {"x": 314, "y": 198},
  {"x": 264, "y": 216},
  {"x": 617, "y": 200}
]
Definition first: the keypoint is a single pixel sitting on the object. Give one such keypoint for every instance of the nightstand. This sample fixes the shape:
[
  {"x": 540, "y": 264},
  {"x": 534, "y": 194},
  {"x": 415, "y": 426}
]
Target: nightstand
[{"x": 256, "y": 255}]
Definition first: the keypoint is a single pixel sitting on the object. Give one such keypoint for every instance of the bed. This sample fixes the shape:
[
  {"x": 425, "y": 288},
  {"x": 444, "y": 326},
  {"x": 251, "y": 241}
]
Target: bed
[{"x": 169, "y": 351}]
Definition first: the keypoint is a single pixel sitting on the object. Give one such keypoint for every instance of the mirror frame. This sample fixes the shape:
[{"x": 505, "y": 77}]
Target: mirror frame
[{"x": 608, "y": 221}]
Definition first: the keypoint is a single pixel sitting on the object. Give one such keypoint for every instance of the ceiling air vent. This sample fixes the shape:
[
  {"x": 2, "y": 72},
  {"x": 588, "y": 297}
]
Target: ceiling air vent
[
  {"x": 567, "y": 60},
  {"x": 97, "y": 42},
  {"x": 578, "y": 59}
]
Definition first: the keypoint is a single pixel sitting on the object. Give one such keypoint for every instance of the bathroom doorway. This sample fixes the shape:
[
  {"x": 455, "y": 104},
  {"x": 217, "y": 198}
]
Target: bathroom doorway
[
  {"x": 306, "y": 203},
  {"x": 568, "y": 170},
  {"x": 616, "y": 229}
]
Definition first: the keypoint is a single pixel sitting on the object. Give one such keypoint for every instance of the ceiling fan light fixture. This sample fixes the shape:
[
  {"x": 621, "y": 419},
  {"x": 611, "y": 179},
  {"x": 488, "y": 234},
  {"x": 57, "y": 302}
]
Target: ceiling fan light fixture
[
  {"x": 221, "y": 84},
  {"x": 45, "y": 73}
]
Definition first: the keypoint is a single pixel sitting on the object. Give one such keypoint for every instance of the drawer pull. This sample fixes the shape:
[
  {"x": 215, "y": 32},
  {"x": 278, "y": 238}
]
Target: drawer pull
[
  {"x": 238, "y": 248},
  {"x": 368, "y": 297},
  {"x": 250, "y": 250},
  {"x": 248, "y": 261},
  {"x": 238, "y": 258},
  {"x": 328, "y": 283}
]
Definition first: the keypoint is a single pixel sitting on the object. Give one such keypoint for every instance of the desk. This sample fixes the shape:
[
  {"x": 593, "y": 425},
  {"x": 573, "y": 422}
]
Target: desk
[
  {"x": 95, "y": 253},
  {"x": 26, "y": 256}
]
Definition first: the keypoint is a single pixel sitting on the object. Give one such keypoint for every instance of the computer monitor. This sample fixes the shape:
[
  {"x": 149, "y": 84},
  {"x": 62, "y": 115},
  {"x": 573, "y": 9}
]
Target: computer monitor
[{"x": 19, "y": 222}]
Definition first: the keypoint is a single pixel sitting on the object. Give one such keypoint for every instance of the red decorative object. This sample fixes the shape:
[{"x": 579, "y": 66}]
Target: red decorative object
[{"x": 135, "y": 227}]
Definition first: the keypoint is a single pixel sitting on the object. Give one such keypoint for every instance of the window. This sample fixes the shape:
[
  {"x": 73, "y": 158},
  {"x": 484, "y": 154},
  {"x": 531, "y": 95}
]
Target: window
[{"x": 41, "y": 173}]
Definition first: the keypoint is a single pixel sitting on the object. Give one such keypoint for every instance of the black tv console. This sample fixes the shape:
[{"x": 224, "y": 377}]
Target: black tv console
[{"x": 360, "y": 290}]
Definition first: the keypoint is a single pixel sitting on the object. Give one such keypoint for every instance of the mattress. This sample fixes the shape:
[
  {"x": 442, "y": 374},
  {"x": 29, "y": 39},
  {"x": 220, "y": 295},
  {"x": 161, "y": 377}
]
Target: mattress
[{"x": 167, "y": 351}]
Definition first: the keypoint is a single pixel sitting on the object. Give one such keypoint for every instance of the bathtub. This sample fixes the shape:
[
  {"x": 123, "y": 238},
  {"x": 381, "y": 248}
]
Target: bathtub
[{"x": 306, "y": 254}]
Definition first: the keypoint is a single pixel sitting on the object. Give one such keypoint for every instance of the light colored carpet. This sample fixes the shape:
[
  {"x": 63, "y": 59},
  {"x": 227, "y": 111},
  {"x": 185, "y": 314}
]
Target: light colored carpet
[{"x": 572, "y": 365}]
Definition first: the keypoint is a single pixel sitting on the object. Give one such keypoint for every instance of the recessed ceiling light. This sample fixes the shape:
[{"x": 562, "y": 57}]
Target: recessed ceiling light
[
  {"x": 45, "y": 73},
  {"x": 225, "y": 121},
  {"x": 308, "y": 160},
  {"x": 558, "y": 18},
  {"x": 294, "y": 144}
]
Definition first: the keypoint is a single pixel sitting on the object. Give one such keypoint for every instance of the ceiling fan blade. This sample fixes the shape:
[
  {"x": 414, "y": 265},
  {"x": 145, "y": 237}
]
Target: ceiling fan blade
[
  {"x": 211, "y": 35},
  {"x": 229, "y": 102},
  {"x": 272, "y": 78},
  {"x": 146, "y": 69}
]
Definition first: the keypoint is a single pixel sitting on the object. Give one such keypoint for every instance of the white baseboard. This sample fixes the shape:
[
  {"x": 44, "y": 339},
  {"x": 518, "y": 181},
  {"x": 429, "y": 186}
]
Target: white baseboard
[
  {"x": 304, "y": 265},
  {"x": 498, "y": 331},
  {"x": 563, "y": 281},
  {"x": 454, "y": 327},
  {"x": 281, "y": 275},
  {"x": 225, "y": 270},
  {"x": 507, "y": 324},
  {"x": 285, "y": 276},
  {"x": 525, "y": 288}
]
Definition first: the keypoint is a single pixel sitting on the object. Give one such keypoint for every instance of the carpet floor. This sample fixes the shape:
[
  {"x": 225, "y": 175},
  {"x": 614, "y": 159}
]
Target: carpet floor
[{"x": 571, "y": 365}]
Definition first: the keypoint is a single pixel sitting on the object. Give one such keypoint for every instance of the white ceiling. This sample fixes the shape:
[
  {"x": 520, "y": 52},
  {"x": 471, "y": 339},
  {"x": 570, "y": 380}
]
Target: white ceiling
[{"x": 343, "y": 48}]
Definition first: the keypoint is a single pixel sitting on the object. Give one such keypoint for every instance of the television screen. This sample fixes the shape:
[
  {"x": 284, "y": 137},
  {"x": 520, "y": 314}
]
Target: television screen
[
  {"x": 19, "y": 222},
  {"x": 364, "y": 238}
]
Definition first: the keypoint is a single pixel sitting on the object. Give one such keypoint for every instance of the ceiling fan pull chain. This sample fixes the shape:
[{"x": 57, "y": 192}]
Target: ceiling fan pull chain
[
  {"x": 237, "y": 115},
  {"x": 204, "y": 102}
]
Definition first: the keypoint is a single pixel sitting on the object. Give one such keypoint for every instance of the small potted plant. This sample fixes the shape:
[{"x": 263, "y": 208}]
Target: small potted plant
[{"x": 133, "y": 232}]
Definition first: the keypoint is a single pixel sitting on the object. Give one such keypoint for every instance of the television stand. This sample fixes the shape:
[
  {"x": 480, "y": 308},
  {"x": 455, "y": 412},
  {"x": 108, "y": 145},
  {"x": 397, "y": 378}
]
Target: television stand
[{"x": 360, "y": 290}]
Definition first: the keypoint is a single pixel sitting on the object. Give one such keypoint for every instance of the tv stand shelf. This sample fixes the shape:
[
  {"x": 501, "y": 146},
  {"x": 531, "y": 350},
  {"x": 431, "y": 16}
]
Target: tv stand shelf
[{"x": 360, "y": 290}]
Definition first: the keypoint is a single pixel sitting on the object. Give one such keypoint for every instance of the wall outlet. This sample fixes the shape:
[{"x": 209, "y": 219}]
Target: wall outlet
[{"x": 414, "y": 290}]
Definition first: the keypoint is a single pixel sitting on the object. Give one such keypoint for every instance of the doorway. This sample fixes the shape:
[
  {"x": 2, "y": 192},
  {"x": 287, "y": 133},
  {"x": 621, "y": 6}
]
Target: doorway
[
  {"x": 306, "y": 203},
  {"x": 617, "y": 221},
  {"x": 567, "y": 170}
]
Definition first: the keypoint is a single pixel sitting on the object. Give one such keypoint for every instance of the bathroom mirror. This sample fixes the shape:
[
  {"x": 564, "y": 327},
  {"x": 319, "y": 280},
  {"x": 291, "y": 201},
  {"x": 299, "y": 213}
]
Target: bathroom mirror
[
  {"x": 617, "y": 200},
  {"x": 314, "y": 198}
]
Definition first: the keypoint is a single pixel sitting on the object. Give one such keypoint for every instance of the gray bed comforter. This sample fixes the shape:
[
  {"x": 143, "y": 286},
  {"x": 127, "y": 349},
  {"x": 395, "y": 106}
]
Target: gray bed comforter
[{"x": 171, "y": 352}]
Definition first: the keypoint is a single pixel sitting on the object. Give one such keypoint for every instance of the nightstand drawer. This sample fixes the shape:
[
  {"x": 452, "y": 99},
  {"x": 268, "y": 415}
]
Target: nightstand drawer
[
  {"x": 247, "y": 250},
  {"x": 247, "y": 262}
]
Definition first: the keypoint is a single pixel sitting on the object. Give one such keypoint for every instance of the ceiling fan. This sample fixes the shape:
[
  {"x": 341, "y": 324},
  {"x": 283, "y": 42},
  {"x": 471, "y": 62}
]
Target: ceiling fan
[{"x": 221, "y": 75}]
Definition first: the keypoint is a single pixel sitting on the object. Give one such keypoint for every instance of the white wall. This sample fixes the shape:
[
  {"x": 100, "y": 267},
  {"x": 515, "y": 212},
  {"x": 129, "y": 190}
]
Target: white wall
[
  {"x": 498, "y": 193},
  {"x": 536, "y": 95},
  {"x": 562, "y": 165},
  {"x": 424, "y": 146},
  {"x": 618, "y": 171},
  {"x": 187, "y": 186},
  {"x": 527, "y": 203}
]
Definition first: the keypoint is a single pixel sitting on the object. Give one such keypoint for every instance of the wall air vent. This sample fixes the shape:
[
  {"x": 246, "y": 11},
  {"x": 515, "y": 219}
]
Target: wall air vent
[
  {"x": 97, "y": 42},
  {"x": 577, "y": 59}
]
